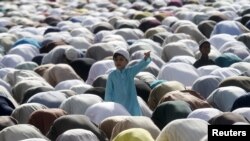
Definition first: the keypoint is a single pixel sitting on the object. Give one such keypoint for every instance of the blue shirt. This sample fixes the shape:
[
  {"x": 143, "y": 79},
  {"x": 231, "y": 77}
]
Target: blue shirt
[{"x": 120, "y": 87}]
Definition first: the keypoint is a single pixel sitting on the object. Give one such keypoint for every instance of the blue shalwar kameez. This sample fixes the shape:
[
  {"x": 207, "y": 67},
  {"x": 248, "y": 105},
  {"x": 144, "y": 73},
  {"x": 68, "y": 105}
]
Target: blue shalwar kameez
[{"x": 120, "y": 87}]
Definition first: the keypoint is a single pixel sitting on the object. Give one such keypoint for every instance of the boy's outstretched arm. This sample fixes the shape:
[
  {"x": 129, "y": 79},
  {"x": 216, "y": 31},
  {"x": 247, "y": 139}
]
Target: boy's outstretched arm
[{"x": 142, "y": 64}]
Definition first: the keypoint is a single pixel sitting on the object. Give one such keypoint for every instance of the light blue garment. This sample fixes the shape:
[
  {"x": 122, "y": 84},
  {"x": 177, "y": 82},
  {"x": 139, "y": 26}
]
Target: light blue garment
[
  {"x": 120, "y": 87},
  {"x": 30, "y": 41},
  {"x": 229, "y": 27}
]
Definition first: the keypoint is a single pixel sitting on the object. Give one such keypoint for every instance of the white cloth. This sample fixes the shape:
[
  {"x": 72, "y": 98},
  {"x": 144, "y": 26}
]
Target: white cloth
[
  {"x": 192, "y": 30},
  {"x": 182, "y": 72},
  {"x": 67, "y": 84},
  {"x": 50, "y": 99},
  {"x": 22, "y": 112},
  {"x": 146, "y": 44},
  {"x": 80, "y": 88},
  {"x": 224, "y": 97},
  {"x": 183, "y": 58},
  {"x": 241, "y": 66},
  {"x": 72, "y": 53},
  {"x": 123, "y": 52},
  {"x": 236, "y": 47},
  {"x": 4, "y": 71},
  {"x": 230, "y": 27},
  {"x": 34, "y": 139},
  {"x": 190, "y": 129},
  {"x": 205, "y": 138},
  {"x": 129, "y": 34},
  {"x": 79, "y": 43},
  {"x": 5, "y": 85},
  {"x": 4, "y": 92},
  {"x": 206, "y": 70},
  {"x": 146, "y": 77},
  {"x": 191, "y": 44},
  {"x": 169, "y": 20},
  {"x": 146, "y": 111},
  {"x": 181, "y": 23},
  {"x": 19, "y": 89},
  {"x": 77, "y": 135},
  {"x": 114, "y": 38},
  {"x": 99, "y": 68},
  {"x": 27, "y": 51},
  {"x": 236, "y": 44},
  {"x": 56, "y": 55},
  {"x": 78, "y": 104},
  {"x": 204, "y": 113},
  {"x": 244, "y": 111},
  {"x": 206, "y": 84},
  {"x": 99, "y": 111},
  {"x": 175, "y": 37},
  {"x": 82, "y": 32},
  {"x": 102, "y": 34},
  {"x": 225, "y": 72},
  {"x": 19, "y": 132},
  {"x": 220, "y": 39},
  {"x": 175, "y": 48},
  {"x": 11, "y": 60}
]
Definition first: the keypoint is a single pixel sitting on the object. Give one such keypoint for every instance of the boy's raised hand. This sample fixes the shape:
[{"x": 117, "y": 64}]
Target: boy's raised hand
[{"x": 147, "y": 54}]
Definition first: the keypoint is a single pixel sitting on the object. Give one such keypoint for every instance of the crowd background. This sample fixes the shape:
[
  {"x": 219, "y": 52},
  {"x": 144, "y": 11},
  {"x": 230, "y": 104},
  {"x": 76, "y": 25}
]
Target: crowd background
[{"x": 56, "y": 56}]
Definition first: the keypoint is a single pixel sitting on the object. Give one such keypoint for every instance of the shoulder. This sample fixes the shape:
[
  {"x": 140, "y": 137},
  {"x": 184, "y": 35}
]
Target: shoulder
[
  {"x": 212, "y": 62},
  {"x": 197, "y": 63},
  {"x": 111, "y": 72}
]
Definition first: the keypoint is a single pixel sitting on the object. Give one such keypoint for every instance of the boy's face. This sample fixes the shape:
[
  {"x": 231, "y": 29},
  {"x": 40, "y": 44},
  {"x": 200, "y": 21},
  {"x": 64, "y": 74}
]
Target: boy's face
[{"x": 120, "y": 62}]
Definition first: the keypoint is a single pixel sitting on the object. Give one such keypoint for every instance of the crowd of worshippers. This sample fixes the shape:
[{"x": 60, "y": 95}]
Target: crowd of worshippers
[{"x": 120, "y": 70}]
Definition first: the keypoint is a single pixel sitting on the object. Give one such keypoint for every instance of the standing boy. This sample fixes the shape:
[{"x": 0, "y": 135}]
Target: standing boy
[{"x": 120, "y": 87}]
